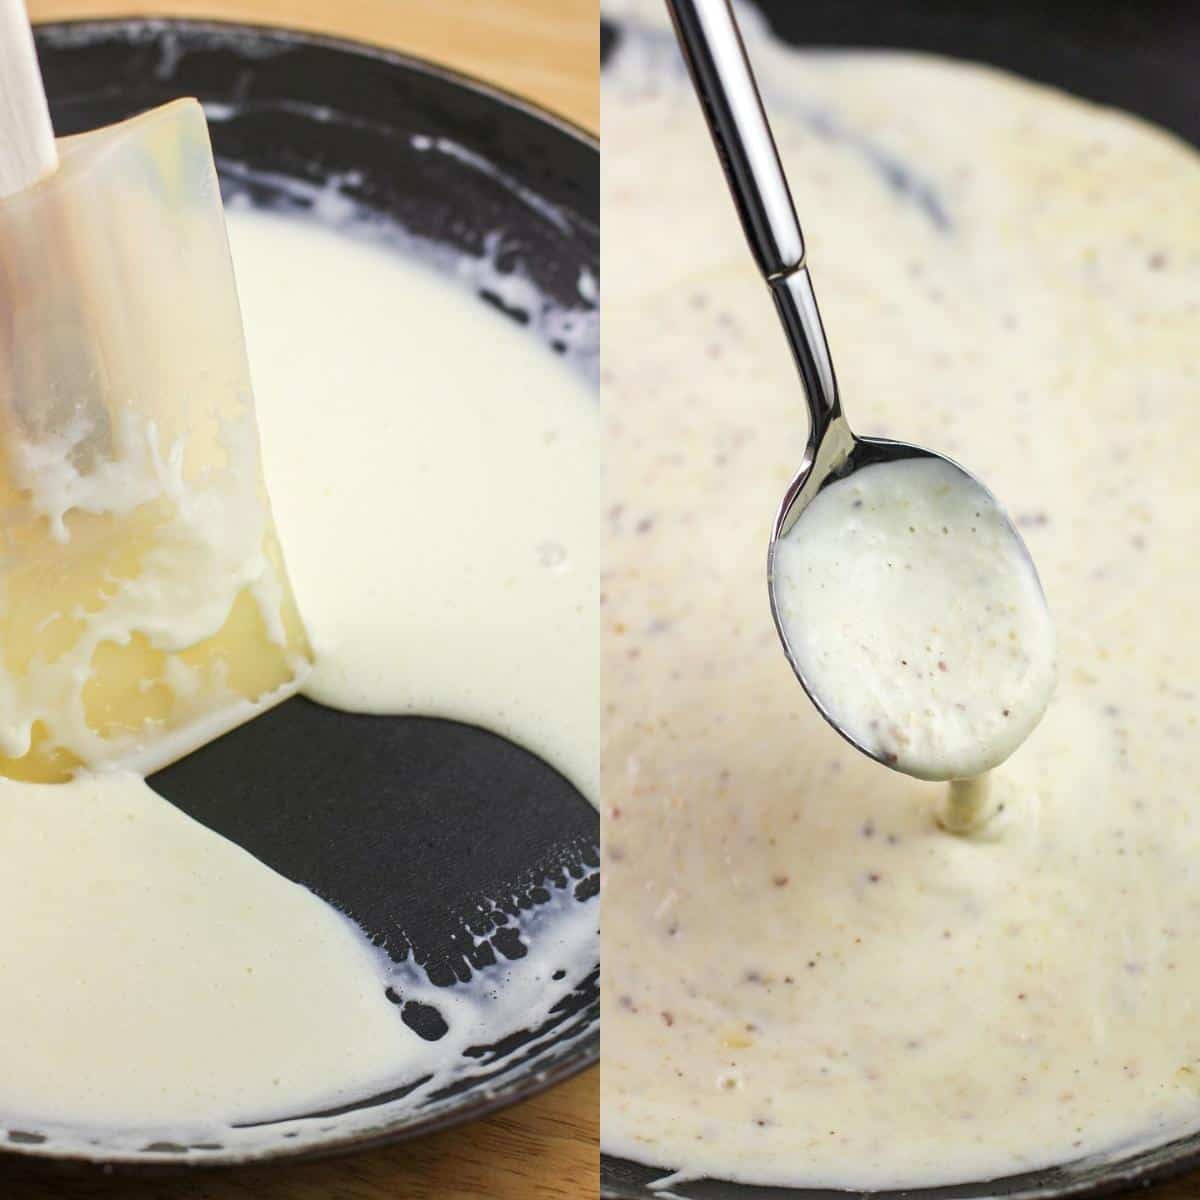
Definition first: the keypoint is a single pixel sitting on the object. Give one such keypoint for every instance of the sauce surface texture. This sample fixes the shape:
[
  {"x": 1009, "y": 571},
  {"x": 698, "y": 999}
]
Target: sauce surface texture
[
  {"x": 805, "y": 980},
  {"x": 916, "y": 618}
]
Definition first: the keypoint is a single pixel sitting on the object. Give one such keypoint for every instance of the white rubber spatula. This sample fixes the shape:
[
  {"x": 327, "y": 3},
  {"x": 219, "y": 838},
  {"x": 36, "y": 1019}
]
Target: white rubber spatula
[
  {"x": 144, "y": 606},
  {"x": 27, "y": 151}
]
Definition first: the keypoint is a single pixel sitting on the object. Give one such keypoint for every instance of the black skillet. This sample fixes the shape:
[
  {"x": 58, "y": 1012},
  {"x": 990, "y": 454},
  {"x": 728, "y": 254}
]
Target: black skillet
[
  {"x": 415, "y": 827},
  {"x": 1142, "y": 57}
]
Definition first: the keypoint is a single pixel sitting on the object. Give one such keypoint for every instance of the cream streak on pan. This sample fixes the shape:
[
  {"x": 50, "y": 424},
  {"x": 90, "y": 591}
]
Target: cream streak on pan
[
  {"x": 805, "y": 980},
  {"x": 167, "y": 986},
  {"x": 201, "y": 985},
  {"x": 435, "y": 476}
]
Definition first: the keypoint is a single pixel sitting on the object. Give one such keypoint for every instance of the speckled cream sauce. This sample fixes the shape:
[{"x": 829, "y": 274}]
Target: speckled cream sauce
[
  {"x": 915, "y": 617},
  {"x": 805, "y": 980}
]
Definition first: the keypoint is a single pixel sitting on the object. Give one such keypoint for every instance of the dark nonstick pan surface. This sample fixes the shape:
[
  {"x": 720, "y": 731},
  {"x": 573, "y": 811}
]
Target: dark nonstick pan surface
[
  {"x": 1144, "y": 58},
  {"x": 427, "y": 832}
]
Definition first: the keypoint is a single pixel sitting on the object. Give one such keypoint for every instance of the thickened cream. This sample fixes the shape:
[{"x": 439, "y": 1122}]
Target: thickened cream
[
  {"x": 806, "y": 980},
  {"x": 439, "y": 522},
  {"x": 160, "y": 983}
]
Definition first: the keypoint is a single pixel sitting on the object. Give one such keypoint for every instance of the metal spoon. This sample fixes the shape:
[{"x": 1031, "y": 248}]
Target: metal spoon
[{"x": 724, "y": 82}]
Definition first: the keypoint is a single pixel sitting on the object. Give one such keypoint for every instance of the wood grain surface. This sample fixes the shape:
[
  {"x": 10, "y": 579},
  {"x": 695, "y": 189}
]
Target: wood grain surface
[
  {"x": 545, "y": 50},
  {"x": 546, "y": 1148}
]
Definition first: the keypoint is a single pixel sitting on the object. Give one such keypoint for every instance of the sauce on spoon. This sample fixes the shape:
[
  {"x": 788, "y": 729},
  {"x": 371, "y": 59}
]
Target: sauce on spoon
[{"x": 916, "y": 619}]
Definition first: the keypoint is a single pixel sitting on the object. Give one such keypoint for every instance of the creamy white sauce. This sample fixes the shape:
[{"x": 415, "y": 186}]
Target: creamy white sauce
[
  {"x": 167, "y": 985},
  {"x": 805, "y": 980},
  {"x": 160, "y": 974},
  {"x": 435, "y": 476},
  {"x": 437, "y": 472},
  {"x": 915, "y": 616}
]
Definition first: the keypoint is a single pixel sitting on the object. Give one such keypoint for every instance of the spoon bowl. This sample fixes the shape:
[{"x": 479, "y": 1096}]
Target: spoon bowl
[{"x": 834, "y": 457}]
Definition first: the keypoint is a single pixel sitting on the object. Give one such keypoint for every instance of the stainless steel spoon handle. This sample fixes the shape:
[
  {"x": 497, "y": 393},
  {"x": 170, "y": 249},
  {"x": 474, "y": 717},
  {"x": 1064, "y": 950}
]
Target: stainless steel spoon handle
[
  {"x": 716, "y": 59},
  {"x": 724, "y": 81}
]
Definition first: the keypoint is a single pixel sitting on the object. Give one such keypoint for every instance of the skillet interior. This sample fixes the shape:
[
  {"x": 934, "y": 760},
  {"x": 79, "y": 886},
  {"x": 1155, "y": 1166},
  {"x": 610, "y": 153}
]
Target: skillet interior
[{"x": 433, "y": 835}]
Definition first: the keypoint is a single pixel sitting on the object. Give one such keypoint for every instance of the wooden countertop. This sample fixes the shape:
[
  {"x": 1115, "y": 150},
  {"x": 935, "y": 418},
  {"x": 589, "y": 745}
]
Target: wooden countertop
[
  {"x": 545, "y": 50},
  {"x": 546, "y": 1148}
]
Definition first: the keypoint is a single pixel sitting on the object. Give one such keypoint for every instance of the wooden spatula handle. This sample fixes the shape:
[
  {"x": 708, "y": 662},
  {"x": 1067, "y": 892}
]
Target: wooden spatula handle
[{"x": 27, "y": 150}]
